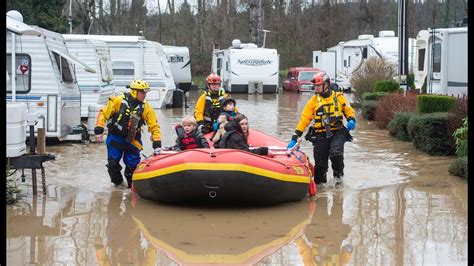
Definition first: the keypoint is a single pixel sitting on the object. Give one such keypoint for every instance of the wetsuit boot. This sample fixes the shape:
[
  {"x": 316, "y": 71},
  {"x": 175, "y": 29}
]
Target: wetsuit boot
[
  {"x": 337, "y": 177},
  {"x": 320, "y": 178},
  {"x": 129, "y": 174},
  {"x": 114, "y": 168}
]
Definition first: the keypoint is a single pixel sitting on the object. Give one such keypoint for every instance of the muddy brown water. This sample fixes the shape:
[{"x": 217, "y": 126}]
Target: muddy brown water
[{"x": 397, "y": 206}]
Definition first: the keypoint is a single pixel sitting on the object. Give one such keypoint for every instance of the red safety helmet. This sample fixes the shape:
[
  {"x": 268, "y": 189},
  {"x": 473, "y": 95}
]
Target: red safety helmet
[
  {"x": 320, "y": 78},
  {"x": 213, "y": 78}
]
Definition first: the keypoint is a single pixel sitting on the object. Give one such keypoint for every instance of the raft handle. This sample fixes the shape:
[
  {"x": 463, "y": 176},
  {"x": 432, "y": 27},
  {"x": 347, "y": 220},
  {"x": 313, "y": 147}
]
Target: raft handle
[
  {"x": 212, "y": 186},
  {"x": 212, "y": 194}
]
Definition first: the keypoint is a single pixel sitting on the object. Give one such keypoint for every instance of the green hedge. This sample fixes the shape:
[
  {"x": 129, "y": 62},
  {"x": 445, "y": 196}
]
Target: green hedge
[
  {"x": 430, "y": 133},
  {"x": 373, "y": 96},
  {"x": 411, "y": 81},
  {"x": 426, "y": 104},
  {"x": 368, "y": 109},
  {"x": 459, "y": 167},
  {"x": 386, "y": 86},
  {"x": 397, "y": 127}
]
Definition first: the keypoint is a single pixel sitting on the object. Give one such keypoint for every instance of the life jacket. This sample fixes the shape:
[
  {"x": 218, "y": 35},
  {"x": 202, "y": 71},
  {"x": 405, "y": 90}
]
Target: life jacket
[
  {"x": 121, "y": 124},
  {"x": 189, "y": 141},
  {"x": 212, "y": 107},
  {"x": 327, "y": 111}
]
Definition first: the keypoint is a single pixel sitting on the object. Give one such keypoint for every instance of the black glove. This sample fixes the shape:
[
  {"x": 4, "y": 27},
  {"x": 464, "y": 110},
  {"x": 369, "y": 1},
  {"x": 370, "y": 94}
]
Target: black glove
[
  {"x": 296, "y": 135},
  {"x": 156, "y": 144},
  {"x": 98, "y": 130},
  {"x": 263, "y": 151}
]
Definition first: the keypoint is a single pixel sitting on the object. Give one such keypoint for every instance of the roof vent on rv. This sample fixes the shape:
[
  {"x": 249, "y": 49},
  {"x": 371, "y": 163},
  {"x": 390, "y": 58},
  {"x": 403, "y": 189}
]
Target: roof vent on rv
[
  {"x": 386, "y": 33},
  {"x": 365, "y": 36},
  {"x": 236, "y": 44},
  {"x": 15, "y": 15}
]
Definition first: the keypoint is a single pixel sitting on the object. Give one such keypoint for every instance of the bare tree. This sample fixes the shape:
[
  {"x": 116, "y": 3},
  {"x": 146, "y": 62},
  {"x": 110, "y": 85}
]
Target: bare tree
[{"x": 255, "y": 21}]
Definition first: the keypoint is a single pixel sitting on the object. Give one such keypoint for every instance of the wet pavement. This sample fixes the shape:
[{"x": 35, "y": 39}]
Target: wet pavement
[{"x": 397, "y": 206}]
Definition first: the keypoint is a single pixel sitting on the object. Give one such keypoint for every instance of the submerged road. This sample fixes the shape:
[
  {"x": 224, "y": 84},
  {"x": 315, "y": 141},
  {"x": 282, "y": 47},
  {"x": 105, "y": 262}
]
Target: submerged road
[{"x": 397, "y": 206}]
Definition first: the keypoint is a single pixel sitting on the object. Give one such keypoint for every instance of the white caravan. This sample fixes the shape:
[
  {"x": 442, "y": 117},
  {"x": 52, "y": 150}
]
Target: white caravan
[
  {"x": 136, "y": 58},
  {"x": 180, "y": 64},
  {"x": 96, "y": 88},
  {"x": 246, "y": 63},
  {"x": 44, "y": 79},
  {"x": 342, "y": 60},
  {"x": 441, "y": 58}
]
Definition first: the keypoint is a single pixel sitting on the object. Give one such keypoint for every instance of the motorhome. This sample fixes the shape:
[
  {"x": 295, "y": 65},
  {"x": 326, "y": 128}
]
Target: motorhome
[
  {"x": 180, "y": 64},
  {"x": 342, "y": 60},
  {"x": 133, "y": 57},
  {"x": 245, "y": 63},
  {"x": 441, "y": 61},
  {"x": 97, "y": 87},
  {"x": 42, "y": 75}
]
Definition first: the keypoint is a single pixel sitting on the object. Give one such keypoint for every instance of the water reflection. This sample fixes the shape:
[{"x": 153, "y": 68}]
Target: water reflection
[{"x": 397, "y": 206}]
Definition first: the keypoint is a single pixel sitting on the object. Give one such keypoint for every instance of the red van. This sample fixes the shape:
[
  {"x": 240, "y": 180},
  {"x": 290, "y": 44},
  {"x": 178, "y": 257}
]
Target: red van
[{"x": 299, "y": 79}]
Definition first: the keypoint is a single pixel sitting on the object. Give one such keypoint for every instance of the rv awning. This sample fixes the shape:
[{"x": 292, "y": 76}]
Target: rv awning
[
  {"x": 75, "y": 60},
  {"x": 20, "y": 28}
]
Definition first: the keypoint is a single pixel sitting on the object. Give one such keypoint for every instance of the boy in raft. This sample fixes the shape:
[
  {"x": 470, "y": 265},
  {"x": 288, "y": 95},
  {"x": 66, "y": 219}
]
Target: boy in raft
[{"x": 189, "y": 137}]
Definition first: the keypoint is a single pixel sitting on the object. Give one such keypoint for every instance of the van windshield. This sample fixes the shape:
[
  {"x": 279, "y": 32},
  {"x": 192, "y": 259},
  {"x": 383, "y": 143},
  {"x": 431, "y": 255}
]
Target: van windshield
[{"x": 306, "y": 76}]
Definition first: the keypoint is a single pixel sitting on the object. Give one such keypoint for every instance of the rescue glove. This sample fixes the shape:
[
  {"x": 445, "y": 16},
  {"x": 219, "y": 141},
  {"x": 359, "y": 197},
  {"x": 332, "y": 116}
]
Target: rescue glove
[
  {"x": 156, "y": 144},
  {"x": 291, "y": 144},
  {"x": 351, "y": 124}
]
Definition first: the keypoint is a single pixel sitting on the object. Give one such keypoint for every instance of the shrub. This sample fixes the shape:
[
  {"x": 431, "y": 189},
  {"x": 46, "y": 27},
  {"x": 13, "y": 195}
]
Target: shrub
[
  {"x": 459, "y": 113},
  {"x": 460, "y": 138},
  {"x": 426, "y": 103},
  {"x": 393, "y": 103},
  {"x": 373, "y": 96},
  {"x": 429, "y": 133},
  {"x": 397, "y": 128},
  {"x": 373, "y": 69},
  {"x": 368, "y": 109},
  {"x": 387, "y": 86},
  {"x": 459, "y": 167},
  {"x": 411, "y": 81}
]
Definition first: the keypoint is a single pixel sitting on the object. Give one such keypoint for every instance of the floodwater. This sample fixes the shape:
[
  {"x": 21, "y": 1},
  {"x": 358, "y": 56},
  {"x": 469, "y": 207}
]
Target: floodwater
[{"x": 397, "y": 206}]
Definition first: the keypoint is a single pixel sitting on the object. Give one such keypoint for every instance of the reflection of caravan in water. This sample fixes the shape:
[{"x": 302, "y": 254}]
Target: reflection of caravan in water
[
  {"x": 97, "y": 87},
  {"x": 243, "y": 63},
  {"x": 342, "y": 60},
  {"x": 44, "y": 78},
  {"x": 180, "y": 65},
  {"x": 136, "y": 58},
  {"x": 441, "y": 59}
]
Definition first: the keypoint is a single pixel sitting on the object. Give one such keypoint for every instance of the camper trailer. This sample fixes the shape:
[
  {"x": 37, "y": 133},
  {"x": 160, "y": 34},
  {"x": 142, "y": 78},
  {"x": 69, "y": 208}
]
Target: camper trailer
[
  {"x": 136, "y": 58},
  {"x": 97, "y": 87},
  {"x": 342, "y": 60},
  {"x": 244, "y": 64},
  {"x": 42, "y": 75},
  {"x": 180, "y": 64},
  {"x": 441, "y": 59}
]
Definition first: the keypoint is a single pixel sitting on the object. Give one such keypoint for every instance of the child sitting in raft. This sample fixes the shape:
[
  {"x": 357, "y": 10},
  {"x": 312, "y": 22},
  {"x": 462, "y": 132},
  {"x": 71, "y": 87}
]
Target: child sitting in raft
[{"x": 188, "y": 135}]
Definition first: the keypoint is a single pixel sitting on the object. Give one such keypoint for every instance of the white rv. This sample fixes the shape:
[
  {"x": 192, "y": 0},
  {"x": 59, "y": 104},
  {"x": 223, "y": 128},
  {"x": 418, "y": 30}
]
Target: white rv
[
  {"x": 441, "y": 58},
  {"x": 342, "y": 60},
  {"x": 136, "y": 58},
  {"x": 97, "y": 87},
  {"x": 44, "y": 79},
  {"x": 243, "y": 63},
  {"x": 180, "y": 64}
]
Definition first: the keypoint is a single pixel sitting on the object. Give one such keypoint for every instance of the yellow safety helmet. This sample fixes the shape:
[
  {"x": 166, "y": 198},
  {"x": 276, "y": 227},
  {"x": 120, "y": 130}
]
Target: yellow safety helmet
[{"x": 136, "y": 85}]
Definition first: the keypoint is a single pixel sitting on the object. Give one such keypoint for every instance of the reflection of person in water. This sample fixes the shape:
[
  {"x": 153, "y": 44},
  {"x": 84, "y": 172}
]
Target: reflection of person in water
[{"x": 123, "y": 236}]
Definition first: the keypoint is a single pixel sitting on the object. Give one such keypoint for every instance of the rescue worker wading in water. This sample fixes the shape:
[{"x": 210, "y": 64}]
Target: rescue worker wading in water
[
  {"x": 208, "y": 106},
  {"x": 327, "y": 133},
  {"x": 125, "y": 115}
]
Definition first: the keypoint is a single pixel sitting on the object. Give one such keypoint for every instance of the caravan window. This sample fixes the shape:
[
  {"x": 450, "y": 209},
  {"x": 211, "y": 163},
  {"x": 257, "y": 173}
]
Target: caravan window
[
  {"x": 364, "y": 53},
  {"x": 23, "y": 73},
  {"x": 63, "y": 67},
  {"x": 421, "y": 59},
  {"x": 316, "y": 59},
  {"x": 106, "y": 69},
  {"x": 219, "y": 66},
  {"x": 437, "y": 57},
  {"x": 123, "y": 68}
]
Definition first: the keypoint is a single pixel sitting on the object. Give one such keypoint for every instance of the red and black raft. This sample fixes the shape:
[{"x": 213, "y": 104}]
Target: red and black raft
[{"x": 226, "y": 175}]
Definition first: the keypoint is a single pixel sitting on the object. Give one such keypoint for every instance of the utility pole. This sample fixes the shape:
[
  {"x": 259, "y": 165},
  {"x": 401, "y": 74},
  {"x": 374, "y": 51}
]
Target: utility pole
[
  {"x": 402, "y": 45},
  {"x": 70, "y": 17}
]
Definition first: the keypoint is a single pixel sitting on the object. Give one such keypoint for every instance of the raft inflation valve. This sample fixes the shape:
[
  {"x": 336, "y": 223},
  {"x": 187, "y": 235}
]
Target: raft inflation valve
[{"x": 212, "y": 194}]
